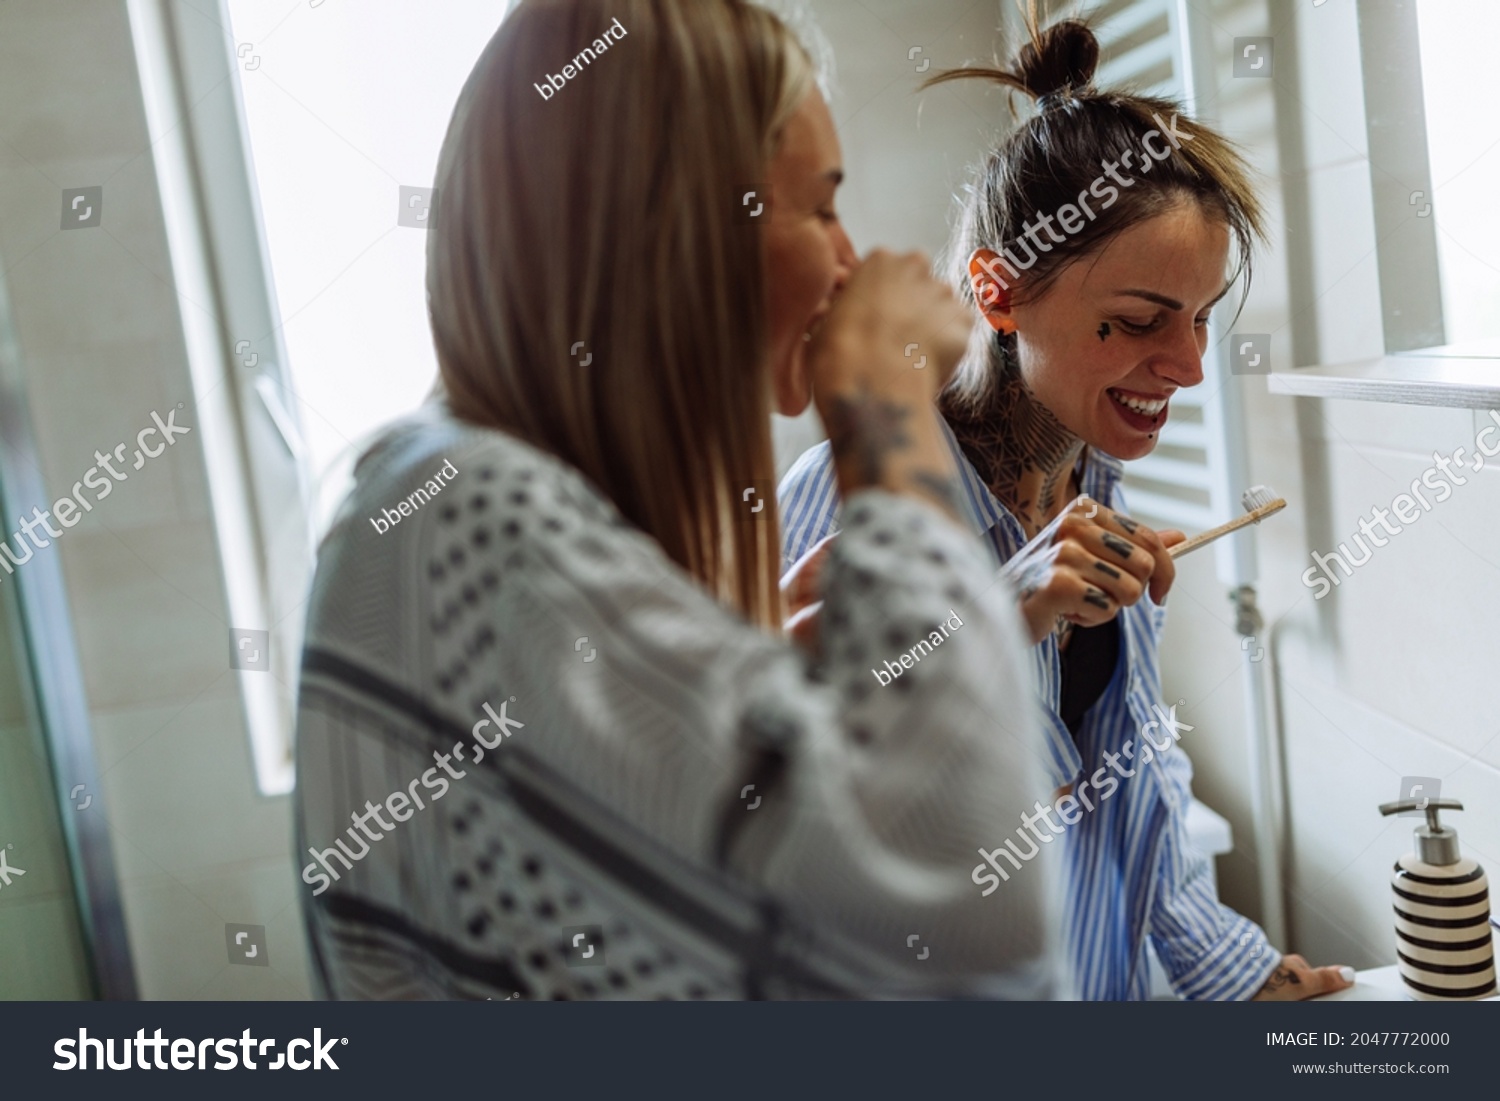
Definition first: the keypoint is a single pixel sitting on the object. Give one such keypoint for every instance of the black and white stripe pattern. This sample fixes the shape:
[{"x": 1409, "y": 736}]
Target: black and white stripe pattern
[{"x": 1444, "y": 945}]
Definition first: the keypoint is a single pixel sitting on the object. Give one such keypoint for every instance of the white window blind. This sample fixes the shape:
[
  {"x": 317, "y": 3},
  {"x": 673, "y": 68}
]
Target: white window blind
[{"x": 1142, "y": 48}]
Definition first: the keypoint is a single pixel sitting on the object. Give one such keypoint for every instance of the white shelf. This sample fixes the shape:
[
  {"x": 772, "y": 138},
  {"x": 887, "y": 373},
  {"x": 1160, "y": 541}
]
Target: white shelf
[{"x": 1460, "y": 376}]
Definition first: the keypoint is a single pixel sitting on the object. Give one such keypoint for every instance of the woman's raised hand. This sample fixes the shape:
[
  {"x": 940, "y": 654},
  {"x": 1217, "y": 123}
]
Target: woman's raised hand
[
  {"x": 1088, "y": 564},
  {"x": 893, "y": 328},
  {"x": 885, "y": 349}
]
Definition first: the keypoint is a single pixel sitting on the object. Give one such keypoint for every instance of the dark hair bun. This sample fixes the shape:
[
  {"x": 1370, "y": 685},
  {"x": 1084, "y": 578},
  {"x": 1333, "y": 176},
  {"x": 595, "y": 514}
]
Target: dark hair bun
[{"x": 1059, "y": 58}]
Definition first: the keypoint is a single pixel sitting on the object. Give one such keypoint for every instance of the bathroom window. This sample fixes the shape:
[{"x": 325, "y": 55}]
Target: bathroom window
[
  {"x": 284, "y": 135},
  {"x": 1434, "y": 154},
  {"x": 1463, "y": 149},
  {"x": 346, "y": 105}
]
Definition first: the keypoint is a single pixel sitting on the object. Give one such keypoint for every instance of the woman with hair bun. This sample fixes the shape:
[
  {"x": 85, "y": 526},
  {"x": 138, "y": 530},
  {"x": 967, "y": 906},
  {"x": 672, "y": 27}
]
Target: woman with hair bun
[{"x": 1098, "y": 237}]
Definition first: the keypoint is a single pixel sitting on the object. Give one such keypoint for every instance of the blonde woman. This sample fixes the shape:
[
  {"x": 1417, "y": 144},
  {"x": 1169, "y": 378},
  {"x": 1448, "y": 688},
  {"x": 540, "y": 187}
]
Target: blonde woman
[{"x": 551, "y": 741}]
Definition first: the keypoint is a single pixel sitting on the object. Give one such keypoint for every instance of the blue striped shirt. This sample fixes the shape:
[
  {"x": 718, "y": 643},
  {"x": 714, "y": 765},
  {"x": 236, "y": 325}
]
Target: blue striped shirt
[{"x": 1131, "y": 872}]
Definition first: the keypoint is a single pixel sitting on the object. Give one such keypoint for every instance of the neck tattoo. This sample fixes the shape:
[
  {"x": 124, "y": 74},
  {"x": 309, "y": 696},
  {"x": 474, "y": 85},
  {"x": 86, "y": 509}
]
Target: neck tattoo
[{"x": 1015, "y": 439}]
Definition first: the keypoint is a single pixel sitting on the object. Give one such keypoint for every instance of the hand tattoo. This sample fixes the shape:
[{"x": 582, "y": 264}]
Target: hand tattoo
[
  {"x": 1116, "y": 544},
  {"x": 1128, "y": 524},
  {"x": 1281, "y": 977},
  {"x": 1096, "y": 598},
  {"x": 1107, "y": 570}
]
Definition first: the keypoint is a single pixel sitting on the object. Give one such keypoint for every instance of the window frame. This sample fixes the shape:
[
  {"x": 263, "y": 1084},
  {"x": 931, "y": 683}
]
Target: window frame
[{"x": 251, "y": 435}]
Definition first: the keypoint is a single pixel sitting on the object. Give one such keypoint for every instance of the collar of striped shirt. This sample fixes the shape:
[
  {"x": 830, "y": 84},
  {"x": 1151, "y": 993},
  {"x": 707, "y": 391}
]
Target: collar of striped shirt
[{"x": 1101, "y": 474}]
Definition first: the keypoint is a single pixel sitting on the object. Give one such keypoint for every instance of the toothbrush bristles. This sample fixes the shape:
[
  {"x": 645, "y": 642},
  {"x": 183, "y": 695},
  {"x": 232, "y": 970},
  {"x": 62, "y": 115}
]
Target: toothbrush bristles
[
  {"x": 1259, "y": 502},
  {"x": 1258, "y": 497}
]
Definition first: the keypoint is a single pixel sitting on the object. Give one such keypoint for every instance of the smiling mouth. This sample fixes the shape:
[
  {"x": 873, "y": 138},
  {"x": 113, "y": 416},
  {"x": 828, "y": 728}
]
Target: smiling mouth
[{"x": 1145, "y": 414}]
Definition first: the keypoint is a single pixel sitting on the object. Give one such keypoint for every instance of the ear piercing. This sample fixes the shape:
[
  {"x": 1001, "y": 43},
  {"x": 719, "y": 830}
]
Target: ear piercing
[{"x": 987, "y": 295}]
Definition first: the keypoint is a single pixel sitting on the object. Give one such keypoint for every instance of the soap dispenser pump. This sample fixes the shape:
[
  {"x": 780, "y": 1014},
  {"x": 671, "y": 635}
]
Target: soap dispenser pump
[{"x": 1443, "y": 939}]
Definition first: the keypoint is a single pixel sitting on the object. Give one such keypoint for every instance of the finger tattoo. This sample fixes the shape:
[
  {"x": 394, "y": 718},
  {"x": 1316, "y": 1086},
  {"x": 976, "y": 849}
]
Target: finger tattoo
[
  {"x": 1097, "y": 598},
  {"x": 1106, "y": 568},
  {"x": 1282, "y": 977},
  {"x": 1128, "y": 524},
  {"x": 1116, "y": 544}
]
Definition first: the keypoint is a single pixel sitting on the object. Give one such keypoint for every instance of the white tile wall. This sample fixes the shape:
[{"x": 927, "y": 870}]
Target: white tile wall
[{"x": 907, "y": 154}]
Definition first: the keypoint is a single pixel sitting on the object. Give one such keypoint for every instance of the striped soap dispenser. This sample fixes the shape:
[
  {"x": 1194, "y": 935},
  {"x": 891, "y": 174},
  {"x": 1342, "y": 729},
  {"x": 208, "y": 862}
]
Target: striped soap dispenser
[{"x": 1443, "y": 939}]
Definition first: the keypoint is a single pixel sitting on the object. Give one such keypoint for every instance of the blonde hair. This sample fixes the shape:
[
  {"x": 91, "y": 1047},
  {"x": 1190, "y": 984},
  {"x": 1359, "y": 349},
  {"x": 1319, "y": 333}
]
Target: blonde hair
[{"x": 608, "y": 215}]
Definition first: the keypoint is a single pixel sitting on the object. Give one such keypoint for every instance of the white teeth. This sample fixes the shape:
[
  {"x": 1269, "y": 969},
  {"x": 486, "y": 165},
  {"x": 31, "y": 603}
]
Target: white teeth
[{"x": 1145, "y": 408}]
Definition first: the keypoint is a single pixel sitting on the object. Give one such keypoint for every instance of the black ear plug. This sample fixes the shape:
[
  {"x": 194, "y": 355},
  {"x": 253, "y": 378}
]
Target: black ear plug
[{"x": 1103, "y": 330}]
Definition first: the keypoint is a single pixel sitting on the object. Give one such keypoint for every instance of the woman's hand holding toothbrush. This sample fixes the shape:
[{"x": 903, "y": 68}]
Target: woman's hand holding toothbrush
[
  {"x": 1088, "y": 564},
  {"x": 1082, "y": 568}
]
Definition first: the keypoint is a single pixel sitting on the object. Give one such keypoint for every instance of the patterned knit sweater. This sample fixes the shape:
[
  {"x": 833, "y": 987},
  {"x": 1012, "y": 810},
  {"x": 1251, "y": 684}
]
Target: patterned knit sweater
[{"x": 535, "y": 758}]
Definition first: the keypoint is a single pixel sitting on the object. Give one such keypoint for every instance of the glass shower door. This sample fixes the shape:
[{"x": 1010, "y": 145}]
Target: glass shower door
[
  {"x": 42, "y": 953},
  {"x": 62, "y": 932}
]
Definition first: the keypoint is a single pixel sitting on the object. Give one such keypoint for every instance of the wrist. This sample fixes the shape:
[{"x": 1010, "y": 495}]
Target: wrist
[
  {"x": 875, "y": 437},
  {"x": 880, "y": 443},
  {"x": 850, "y": 357}
]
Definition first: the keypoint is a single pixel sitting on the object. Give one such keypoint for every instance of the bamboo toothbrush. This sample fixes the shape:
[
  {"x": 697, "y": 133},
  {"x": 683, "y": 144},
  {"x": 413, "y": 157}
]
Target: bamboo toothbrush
[{"x": 1259, "y": 502}]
